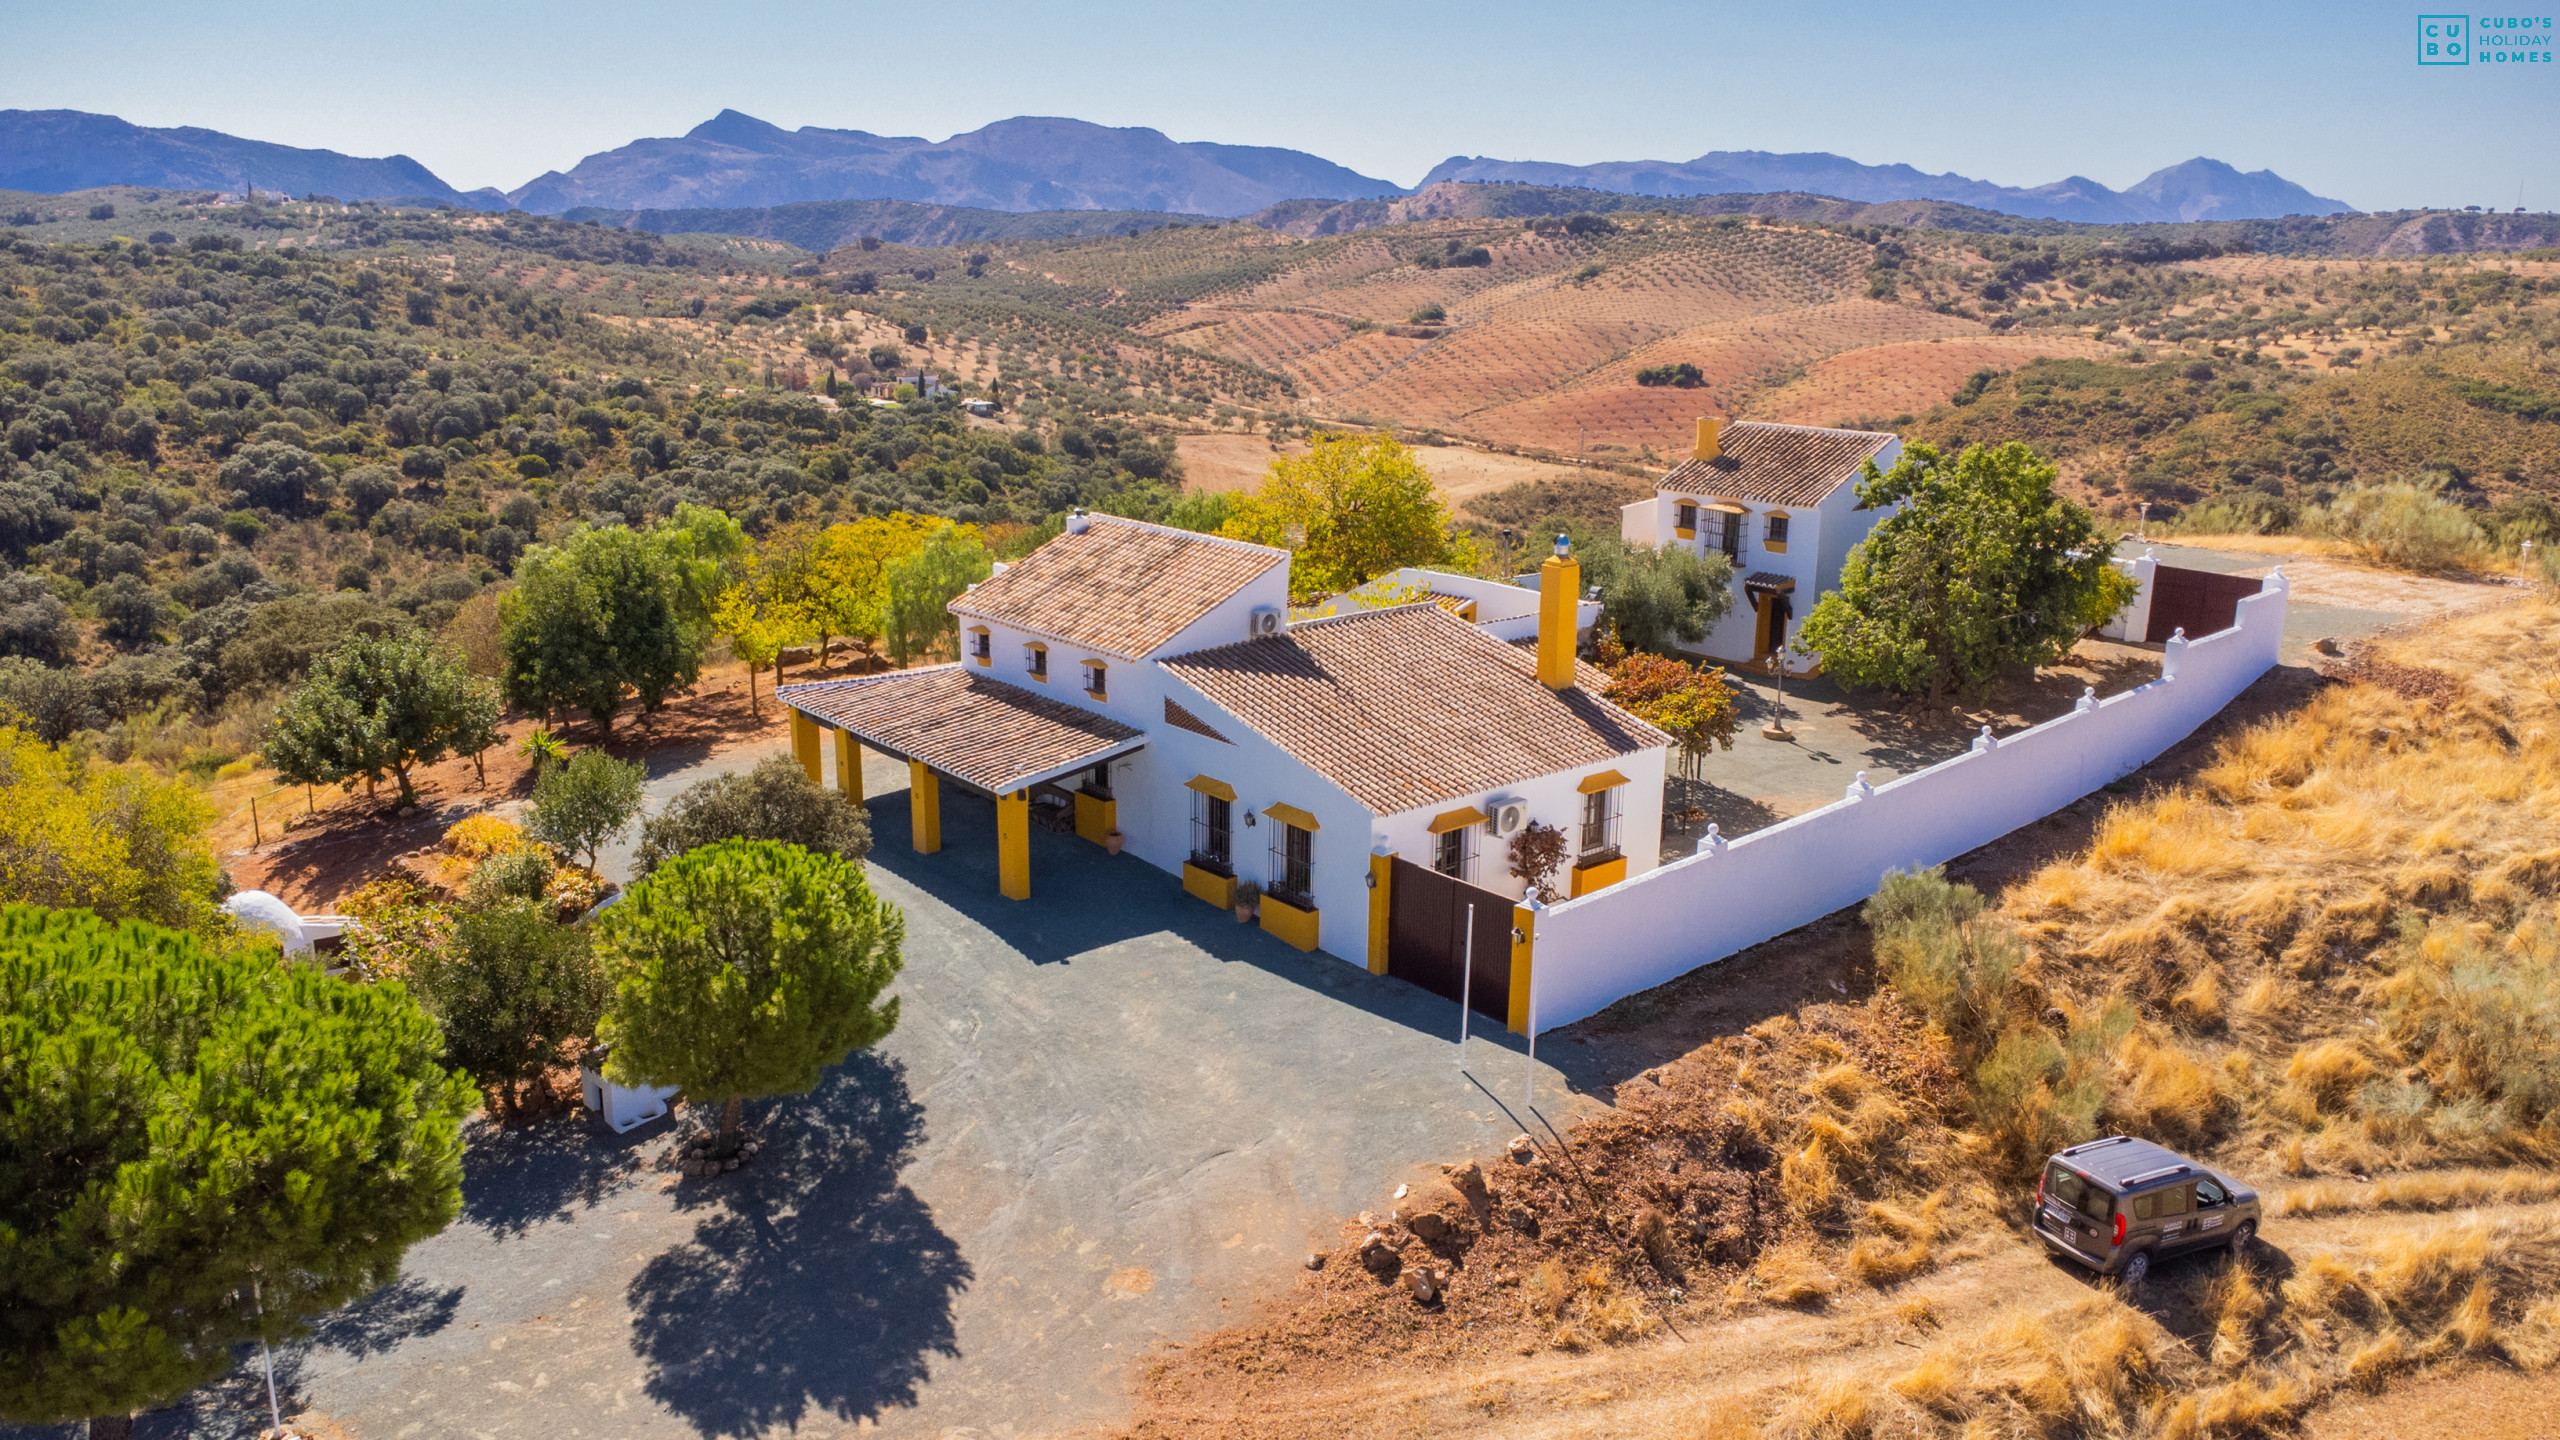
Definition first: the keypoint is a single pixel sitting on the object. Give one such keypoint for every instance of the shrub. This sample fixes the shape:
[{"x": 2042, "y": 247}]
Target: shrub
[
  {"x": 477, "y": 837},
  {"x": 774, "y": 801},
  {"x": 2401, "y": 525},
  {"x": 1683, "y": 375},
  {"x": 117, "y": 841},
  {"x": 513, "y": 989}
]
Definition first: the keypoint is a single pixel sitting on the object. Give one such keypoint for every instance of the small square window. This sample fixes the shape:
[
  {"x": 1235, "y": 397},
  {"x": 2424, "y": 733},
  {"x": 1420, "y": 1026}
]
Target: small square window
[{"x": 1777, "y": 531}]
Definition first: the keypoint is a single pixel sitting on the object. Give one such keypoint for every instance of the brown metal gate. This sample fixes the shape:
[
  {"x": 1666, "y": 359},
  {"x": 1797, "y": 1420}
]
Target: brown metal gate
[
  {"x": 1427, "y": 937},
  {"x": 2199, "y": 602}
]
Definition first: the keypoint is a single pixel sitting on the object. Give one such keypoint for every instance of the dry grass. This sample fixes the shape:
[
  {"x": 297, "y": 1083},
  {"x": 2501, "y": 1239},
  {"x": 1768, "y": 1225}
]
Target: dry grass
[
  {"x": 2339, "y": 934},
  {"x": 2422, "y": 1190}
]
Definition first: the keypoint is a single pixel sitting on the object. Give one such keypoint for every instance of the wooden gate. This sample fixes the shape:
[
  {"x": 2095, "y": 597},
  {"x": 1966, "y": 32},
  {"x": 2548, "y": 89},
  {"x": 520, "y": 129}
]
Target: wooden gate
[
  {"x": 1427, "y": 937},
  {"x": 2199, "y": 602}
]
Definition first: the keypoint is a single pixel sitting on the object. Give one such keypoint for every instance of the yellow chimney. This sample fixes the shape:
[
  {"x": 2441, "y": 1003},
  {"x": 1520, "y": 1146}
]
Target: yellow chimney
[
  {"x": 1559, "y": 591},
  {"x": 1708, "y": 427}
]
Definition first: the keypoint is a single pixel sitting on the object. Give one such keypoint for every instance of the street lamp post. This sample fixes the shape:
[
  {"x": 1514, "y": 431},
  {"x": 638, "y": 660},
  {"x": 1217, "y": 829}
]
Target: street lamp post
[{"x": 1777, "y": 729}]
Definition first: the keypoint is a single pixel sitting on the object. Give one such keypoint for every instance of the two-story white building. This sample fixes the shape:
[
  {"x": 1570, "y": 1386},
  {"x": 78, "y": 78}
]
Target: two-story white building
[
  {"x": 1144, "y": 688},
  {"x": 1778, "y": 501}
]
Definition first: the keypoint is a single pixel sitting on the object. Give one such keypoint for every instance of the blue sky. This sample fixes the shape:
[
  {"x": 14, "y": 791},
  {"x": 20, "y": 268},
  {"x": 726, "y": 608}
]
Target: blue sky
[{"x": 2329, "y": 95}]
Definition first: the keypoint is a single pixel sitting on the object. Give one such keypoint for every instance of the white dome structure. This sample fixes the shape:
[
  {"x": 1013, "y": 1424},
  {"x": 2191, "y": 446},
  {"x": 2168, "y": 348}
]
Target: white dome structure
[{"x": 266, "y": 912}]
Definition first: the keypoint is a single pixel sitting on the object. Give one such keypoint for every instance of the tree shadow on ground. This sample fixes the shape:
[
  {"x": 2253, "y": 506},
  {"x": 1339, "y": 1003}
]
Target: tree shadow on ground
[
  {"x": 1690, "y": 806},
  {"x": 515, "y": 1177},
  {"x": 402, "y": 1310},
  {"x": 818, "y": 1284}
]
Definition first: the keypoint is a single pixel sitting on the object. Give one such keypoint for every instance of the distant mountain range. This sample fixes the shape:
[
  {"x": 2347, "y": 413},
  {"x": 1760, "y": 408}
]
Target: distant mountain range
[
  {"x": 2197, "y": 189},
  {"x": 1037, "y": 164},
  {"x": 51, "y": 151},
  {"x": 1023, "y": 164}
]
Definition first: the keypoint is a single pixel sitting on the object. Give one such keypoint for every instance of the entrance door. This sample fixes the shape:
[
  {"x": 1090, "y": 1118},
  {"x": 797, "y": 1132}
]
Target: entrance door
[
  {"x": 1427, "y": 937},
  {"x": 2199, "y": 602}
]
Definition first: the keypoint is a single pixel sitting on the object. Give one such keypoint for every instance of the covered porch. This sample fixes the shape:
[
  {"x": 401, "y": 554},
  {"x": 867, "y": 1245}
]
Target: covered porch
[{"x": 1039, "y": 759}]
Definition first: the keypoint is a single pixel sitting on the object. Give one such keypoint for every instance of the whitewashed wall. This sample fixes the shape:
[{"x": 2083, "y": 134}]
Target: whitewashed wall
[
  {"x": 2133, "y": 622},
  {"x": 1702, "y": 908}
]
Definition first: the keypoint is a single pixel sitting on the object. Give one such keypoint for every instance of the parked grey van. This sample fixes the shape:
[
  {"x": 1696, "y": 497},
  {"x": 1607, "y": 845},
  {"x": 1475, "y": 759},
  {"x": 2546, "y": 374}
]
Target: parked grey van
[{"x": 2118, "y": 1205}]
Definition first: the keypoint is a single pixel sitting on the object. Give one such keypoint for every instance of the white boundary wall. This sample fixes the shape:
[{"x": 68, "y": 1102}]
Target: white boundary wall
[{"x": 1729, "y": 896}]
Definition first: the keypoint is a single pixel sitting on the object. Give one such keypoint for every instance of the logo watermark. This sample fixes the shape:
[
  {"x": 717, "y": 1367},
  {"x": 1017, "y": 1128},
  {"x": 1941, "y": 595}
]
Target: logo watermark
[{"x": 2484, "y": 40}]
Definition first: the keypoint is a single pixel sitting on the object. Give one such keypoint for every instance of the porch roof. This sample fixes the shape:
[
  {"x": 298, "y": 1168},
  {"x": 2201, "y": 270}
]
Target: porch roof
[{"x": 996, "y": 736}]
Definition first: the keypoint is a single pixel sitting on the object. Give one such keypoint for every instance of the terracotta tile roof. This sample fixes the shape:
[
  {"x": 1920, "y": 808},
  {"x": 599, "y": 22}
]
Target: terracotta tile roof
[
  {"x": 1411, "y": 706},
  {"x": 1776, "y": 464},
  {"x": 996, "y": 736},
  {"x": 1182, "y": 719},
  {"x": 1120, "y": 587}
]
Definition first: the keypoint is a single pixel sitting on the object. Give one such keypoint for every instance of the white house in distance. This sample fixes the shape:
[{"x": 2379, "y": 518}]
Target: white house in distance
[
  {"x": 1145, "y": 688},
  {"x": 1781, "y": 503}
]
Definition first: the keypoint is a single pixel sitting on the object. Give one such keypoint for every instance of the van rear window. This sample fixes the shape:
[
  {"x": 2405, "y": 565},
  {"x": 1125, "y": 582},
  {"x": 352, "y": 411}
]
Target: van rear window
[{"x": 2077, "y": 1191}]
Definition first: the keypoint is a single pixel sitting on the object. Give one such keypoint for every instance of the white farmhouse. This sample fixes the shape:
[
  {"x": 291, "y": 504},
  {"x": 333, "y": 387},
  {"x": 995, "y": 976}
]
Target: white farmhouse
[
  {"x": 1144, "y": 688},
  {"x": 1781, "y": 503}
]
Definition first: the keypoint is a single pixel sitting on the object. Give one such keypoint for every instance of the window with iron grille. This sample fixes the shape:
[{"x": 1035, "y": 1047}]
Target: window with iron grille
[
  {"x": 1093, "y": 678},
  {"x": 1212, "y": 835},
  {"x": 1036, "y": 658},
  {"x": 1453, "y": 851},
  {"x": 1688, "y": 519},
  {"x": 981, "y": 645},
  {"x": 1728, "y": 533},
  {"x": 1600, "y": 825},
  {"x": 1292, "y": 865},
  {"x": 1777, "y": 531}
]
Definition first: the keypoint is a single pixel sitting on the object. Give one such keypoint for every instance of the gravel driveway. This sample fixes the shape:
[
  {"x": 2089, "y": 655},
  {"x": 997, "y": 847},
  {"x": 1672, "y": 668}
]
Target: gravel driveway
[{"x": 1109, "y": 1115}]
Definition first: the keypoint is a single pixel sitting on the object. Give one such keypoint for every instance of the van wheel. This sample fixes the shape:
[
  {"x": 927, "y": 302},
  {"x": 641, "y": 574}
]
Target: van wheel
[
  {"x": 2137, "y": 1269},
  {"x": 2242, "y": 1238}
]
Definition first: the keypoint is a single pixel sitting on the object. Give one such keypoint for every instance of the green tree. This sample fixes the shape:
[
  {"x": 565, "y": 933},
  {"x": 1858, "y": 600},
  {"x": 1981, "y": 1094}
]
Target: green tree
[
  {"x": 1657, "y": 600},
  {"x": 584, "y": 804},
  {"x": 204, "y": 1148},
  {"x": 774, "y": 801},
  {"x": 1982, "y": 564},
  {"x": 746, "y": 967},
  {"x": 1352, "y": 508},
  {"x": 512, "y": 989},
  {"x": 372, "y": 706},
  {"x": 121, "y": 842},
  {"x": 923, "y": 584},
  {"x": 606, "y": 611}
]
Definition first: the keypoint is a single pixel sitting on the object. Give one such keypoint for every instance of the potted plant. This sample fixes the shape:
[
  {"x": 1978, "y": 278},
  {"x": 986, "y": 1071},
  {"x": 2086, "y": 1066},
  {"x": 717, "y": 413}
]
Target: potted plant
[
  {"x": 1111, "y": 841},
  {"x": 1248, "y": 898}
]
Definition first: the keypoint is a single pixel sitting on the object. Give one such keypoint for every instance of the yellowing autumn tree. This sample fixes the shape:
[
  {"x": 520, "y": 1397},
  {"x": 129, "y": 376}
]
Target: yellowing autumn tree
[
  {"x": 1352, "y": 508},
  {"x": 119, "y": 841},
  {"x": 849, "y": 571},
  {"x": 757, "y": 625}
]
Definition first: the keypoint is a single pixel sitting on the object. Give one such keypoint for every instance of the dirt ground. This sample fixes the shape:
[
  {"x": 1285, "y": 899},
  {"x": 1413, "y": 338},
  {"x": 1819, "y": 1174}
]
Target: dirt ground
[
  {"x": 1238, "y": 462},
  {"x": 1468, "y": 1372},
  {"x": 2465, "y": 1402},
  {"x": 2323, "y": 573},
  {"x": 321, "y": 855}
]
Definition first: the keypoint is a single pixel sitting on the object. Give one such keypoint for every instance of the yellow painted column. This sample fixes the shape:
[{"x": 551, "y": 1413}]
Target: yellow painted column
[
  {"x": 1524, "y": 923},
  {"x": 1382, "y": 874},
  {"x": 1013, "y": 845},
  {"x": 804, "y": 747},
  {"x": 924, "y": 807},
  {"x": 849, "y": 766}
]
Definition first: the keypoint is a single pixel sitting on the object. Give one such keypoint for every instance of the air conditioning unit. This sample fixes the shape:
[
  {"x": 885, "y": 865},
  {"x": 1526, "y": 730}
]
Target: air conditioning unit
[
  {"x": 1509, "y": 816},
  {"x": 1264, "y": 623}
]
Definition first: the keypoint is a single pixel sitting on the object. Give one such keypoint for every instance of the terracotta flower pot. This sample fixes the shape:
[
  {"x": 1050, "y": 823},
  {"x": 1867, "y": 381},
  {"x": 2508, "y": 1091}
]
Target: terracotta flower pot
[
  {"x": 1244, "y": 914},
  {"x": 1111, "y": 841}
]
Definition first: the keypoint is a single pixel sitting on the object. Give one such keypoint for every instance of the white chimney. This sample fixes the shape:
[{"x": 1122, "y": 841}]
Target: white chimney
[{"x": 1077, "y": 521}]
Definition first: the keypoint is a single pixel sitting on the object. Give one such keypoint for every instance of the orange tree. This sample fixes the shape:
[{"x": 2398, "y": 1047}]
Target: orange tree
[{"x": 1692, "y": 706}]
